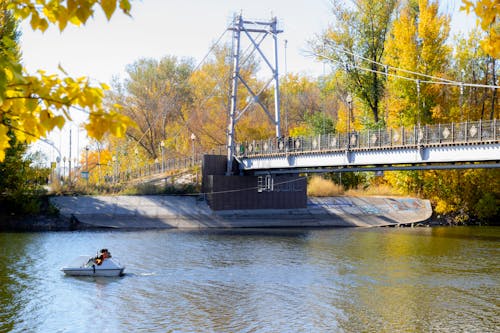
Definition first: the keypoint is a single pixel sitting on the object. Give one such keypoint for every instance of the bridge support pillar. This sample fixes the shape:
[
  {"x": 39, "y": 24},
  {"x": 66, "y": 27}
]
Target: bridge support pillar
[{"x": 250, "y": 192}]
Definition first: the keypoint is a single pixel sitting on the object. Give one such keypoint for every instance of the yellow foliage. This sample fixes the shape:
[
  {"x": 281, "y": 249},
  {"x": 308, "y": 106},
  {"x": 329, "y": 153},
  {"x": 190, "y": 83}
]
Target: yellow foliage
[
  {"x": 488, "y": 13},
  {"x": 4, "y": 141},
  {"x": 62, "y": 12},
  {"x": 442, "y": 207},
  {"x": 417, "y": 43},
  {"x": 33, "y": 105},
  {"x": 102, "y": 122},
  {"x": 299, "y": 130}
]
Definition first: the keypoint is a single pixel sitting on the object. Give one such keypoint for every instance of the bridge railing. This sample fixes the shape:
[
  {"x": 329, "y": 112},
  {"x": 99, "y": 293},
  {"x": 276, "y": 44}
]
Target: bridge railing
[
  {"x": 440, "y": 134},
  {"x": 120, "y": 174}
]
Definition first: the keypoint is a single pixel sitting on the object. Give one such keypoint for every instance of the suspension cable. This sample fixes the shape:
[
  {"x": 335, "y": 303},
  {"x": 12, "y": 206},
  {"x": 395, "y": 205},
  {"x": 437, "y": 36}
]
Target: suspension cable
[{"x": 442, "y": 81}]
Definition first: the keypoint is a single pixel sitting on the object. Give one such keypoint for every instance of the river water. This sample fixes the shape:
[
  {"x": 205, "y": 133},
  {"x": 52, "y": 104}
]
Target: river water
[{"x": 319, "y": 280}]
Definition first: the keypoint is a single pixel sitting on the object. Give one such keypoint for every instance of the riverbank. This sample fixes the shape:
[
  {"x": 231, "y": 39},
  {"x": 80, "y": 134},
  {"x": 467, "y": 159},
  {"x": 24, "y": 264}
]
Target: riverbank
[
  {"x": 35, "y": 223},
  {"x": 192, "y": 212}
]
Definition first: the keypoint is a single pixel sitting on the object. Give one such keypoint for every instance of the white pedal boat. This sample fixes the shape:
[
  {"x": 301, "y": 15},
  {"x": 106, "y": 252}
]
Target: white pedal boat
[{"x": 87, "y": 266}]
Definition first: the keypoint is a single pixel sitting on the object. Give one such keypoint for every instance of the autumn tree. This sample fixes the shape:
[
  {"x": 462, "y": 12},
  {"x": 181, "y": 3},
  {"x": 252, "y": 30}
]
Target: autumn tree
[
  {"x": 33, "y": 105},
  {"x": 417, "y": 43},
  {"x": 19, "y": 180},
  {"x": 355, "y": 44},
  {"x": 308, "y": 105},
  {"x": 472, "y": 65},
  {"x": 300, "y": 97},
  {"x": 488, "y": 14},
  {"x": 154, "y": 96},
  {"x": 208, "y": 113}
]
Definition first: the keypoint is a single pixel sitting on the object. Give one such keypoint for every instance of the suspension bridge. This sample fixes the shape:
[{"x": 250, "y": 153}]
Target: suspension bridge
[{"x": 265, "y": 173}]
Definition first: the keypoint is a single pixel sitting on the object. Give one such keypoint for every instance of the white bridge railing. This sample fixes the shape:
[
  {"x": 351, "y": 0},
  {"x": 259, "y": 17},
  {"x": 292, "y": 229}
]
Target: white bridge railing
[{"x": 427, "y": 135}]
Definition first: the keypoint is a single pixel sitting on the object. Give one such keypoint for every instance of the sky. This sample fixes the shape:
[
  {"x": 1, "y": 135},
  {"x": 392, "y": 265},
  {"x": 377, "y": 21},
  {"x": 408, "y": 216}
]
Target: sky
[{"x": 183, "y": 28}]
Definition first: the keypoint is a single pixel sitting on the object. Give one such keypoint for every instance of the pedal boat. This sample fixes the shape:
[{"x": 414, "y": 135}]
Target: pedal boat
[{"x": 87, "y": 266}]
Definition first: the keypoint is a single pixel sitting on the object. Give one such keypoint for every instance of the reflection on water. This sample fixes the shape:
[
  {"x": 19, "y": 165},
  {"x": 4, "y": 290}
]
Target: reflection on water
[{"x": 326, "y": 280}]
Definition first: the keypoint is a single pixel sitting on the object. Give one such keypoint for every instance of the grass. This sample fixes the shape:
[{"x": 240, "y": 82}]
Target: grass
[
  {"x": 373, "y": 190},
  {"x": 320, "y": 187}
]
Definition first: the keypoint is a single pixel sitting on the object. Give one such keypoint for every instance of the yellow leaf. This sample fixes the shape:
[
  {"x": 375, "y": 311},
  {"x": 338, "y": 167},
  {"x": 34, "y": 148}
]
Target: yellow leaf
[
  {"x": 4, "y": 141},
  {"x": 125, "y": 6},
  {"x": 35, "y": 19},
  {"x": 108, "y": 6}
]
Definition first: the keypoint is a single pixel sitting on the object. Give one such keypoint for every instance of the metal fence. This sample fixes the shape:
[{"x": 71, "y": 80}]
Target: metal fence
[
  {"x": 441, "y": 134},
  {"x": 152, "y": 169}
]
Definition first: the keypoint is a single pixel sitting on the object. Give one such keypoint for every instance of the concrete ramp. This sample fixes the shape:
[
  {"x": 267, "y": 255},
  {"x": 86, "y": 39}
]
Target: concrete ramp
[{"x": 190, "y": 212}]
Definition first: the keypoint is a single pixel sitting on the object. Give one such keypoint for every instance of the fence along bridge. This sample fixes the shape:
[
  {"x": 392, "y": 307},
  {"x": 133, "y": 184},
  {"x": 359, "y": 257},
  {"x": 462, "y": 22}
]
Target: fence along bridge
[{"x": 444, "y": 146}]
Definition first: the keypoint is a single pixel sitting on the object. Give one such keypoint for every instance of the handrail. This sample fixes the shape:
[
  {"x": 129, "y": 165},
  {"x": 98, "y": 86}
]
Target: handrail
[{"x": 413, "y": 137}]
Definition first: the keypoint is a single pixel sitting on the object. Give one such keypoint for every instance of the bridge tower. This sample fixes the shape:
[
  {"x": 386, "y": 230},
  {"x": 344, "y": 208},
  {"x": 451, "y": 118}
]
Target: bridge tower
[{"x": 256, "y": 32}]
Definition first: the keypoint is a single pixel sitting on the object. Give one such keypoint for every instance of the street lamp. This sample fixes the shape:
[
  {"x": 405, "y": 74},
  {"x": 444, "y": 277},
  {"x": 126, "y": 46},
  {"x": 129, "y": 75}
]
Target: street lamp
[
  {"x": 87, "y": 163},
  {"x": 136, "y": 152},
  {"x": 64, "y": 167},
  {"x": 348, "y": 127},
  {"x": 114, "y": 168},
  {"x": 162, "y": 147},
  {"x": 193, "y": 137},
  {"x": 58, "y": 163}
]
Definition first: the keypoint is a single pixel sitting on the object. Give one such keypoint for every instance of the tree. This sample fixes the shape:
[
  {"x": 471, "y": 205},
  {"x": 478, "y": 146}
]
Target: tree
[
  {"x": 488, "y": 13},
  {"x": 300, "y": 97},
  {"x": 471, "y": 64},
  {"x": 208, "y": 113},
  {"x": 417, "y": 43},
  {"x": 154, "y": 95},
  {"x": 33, "y": 105},
  {"x": 355, "y": 43}
]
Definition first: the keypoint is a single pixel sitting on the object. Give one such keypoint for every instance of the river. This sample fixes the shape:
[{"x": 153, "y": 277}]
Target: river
[{"x": 277, "y": 280}]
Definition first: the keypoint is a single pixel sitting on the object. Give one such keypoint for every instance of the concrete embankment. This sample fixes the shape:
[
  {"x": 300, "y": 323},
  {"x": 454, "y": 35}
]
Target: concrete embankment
[{"x": 188, "y": 212}]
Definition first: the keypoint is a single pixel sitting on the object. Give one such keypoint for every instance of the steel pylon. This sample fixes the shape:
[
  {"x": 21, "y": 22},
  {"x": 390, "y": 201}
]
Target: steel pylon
[{"x": 256, "y": 32}]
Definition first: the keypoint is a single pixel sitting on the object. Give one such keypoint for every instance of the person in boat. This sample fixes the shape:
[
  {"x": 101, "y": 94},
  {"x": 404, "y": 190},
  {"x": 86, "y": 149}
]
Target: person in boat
[
  {"x": 102, "y": 256},
  {"x": 105, "y": 253}
]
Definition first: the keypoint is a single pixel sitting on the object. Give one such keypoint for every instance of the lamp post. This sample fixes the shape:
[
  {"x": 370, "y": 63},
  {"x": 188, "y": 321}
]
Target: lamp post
[
  {"x": 114, "y": 168},
  {"x": 69, "y": 160},
  {"x": 87, "y": 163},
  {"x": 349, "y": 111},
  {"x": 193, "y": 137},
  {"x": 99, "y": 163},
  {"x": 162, "y": 147},
  {"x": 64, "y": 167},
  {"x": 58, "y": 164}
]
